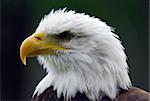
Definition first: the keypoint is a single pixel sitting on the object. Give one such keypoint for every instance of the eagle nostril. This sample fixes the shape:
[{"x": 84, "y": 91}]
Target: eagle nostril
[{"x": 38, "y": 38}]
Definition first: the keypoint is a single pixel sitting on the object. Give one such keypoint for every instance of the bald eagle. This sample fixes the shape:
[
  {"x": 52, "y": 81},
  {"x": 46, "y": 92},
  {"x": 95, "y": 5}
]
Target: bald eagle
[{"x": 82, "y": 56}]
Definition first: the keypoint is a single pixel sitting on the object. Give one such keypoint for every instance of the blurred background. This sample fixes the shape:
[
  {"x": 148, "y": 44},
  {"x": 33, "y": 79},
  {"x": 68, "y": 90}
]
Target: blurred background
[{"x": 19, "y": 19}]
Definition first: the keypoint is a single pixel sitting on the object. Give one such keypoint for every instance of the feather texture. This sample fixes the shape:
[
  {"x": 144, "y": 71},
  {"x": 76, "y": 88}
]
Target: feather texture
[
  {"x": 95, "y": 64},
  {"x": 133, "y": 94}
]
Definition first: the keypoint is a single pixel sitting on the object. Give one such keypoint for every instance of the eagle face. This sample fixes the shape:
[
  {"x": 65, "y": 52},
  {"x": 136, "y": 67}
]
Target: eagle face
[{"x": 80, "y": 54}]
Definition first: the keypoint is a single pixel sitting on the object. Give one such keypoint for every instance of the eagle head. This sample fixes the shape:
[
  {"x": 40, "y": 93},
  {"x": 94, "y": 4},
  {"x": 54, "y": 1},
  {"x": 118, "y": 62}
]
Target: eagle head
[{"x": 80, "y": 53}]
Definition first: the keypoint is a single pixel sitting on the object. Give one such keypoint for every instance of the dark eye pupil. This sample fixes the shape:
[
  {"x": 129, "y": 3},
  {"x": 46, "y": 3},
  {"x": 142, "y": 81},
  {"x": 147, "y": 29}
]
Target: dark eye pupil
[{"x": 65, "y": 35}]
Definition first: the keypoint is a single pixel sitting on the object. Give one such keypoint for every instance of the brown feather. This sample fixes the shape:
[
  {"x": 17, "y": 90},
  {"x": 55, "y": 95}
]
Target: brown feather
[{"x": 133, "y": 94}]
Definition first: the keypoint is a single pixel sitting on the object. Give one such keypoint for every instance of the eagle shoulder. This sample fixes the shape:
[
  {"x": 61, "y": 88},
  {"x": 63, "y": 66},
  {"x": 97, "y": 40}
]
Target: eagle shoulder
[{"x": 133, "y": 94}]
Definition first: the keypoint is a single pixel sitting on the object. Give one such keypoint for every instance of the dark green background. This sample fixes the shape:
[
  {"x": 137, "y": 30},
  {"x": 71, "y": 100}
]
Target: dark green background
[{"x": 19, "y": 18}]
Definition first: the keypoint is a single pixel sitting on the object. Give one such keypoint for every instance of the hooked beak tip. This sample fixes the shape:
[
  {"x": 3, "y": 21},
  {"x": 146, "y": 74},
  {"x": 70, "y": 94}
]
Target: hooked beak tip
[
  {"x": 24, "y": 61},
  {"x": 23, "y": 54}
]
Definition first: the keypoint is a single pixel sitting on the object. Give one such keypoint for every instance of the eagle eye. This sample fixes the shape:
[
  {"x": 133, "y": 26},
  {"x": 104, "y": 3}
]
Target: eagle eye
[{"x": 65, "y": 35}]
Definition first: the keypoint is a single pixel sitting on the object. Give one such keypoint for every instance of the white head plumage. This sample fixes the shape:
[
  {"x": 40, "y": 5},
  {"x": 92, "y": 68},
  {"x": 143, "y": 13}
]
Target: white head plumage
[{"x": 95, "y": 63}]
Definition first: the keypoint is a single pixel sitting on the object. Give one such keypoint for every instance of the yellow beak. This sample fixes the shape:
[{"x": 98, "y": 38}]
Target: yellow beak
[{"x": 36, "y": 44}]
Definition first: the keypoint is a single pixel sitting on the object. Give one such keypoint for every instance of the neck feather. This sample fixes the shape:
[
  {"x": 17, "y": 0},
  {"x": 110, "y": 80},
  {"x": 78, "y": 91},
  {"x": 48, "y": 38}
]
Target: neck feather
[{"x": 95, "y": 75}]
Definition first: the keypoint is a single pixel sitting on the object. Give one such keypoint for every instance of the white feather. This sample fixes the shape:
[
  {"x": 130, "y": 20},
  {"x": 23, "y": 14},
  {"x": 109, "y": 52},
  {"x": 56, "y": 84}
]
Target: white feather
[{"x": 96, "y": 65}]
